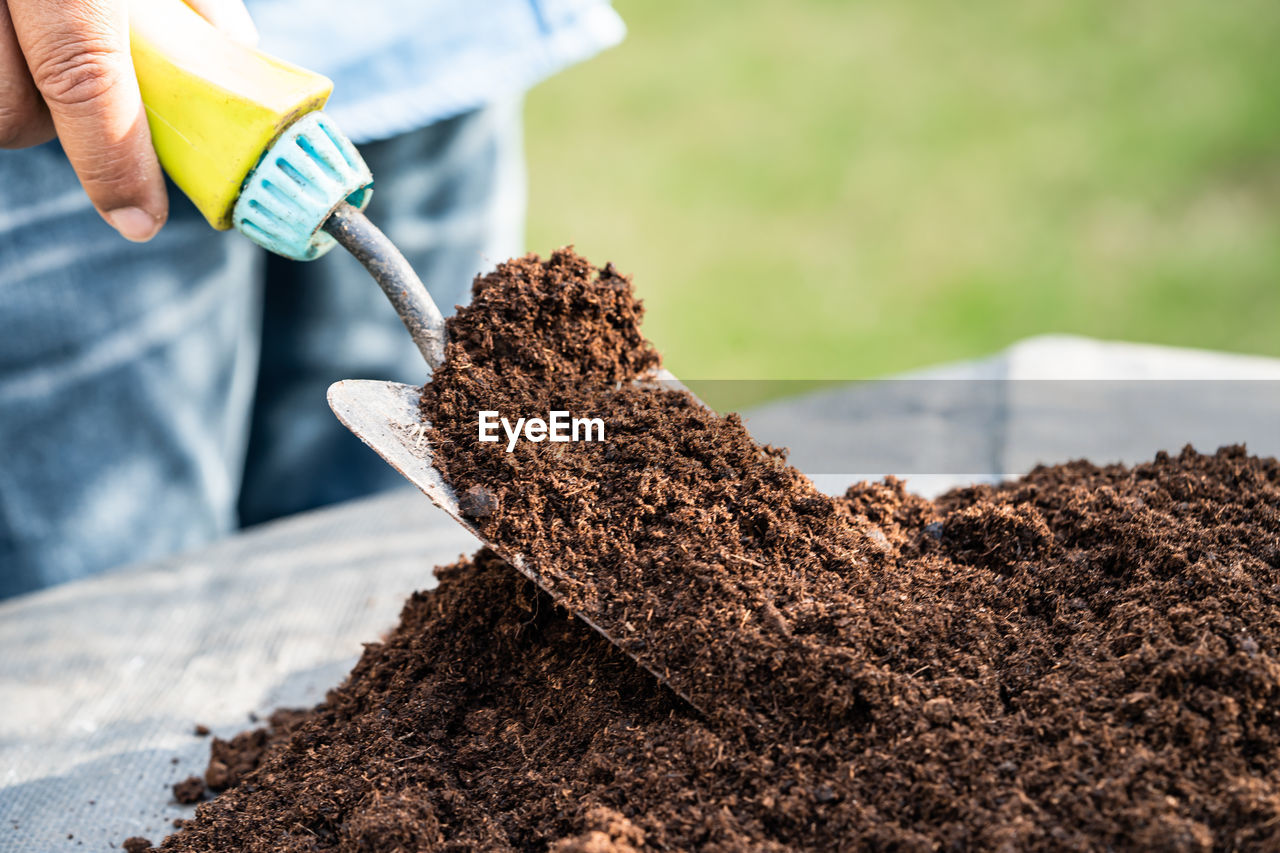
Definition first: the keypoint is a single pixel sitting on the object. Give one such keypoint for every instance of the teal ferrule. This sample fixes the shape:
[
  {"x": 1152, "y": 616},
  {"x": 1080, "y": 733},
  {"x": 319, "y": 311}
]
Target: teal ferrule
[{"x": 306, "y": 173}]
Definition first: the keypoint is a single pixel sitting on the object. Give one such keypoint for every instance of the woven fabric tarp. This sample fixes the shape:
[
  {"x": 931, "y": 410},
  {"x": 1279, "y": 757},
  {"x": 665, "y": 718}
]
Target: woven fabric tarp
[{"x": 103, "y": 680}]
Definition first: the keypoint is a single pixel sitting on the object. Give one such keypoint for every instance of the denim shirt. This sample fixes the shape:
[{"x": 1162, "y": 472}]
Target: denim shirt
[{"x": 398, "y": 65}]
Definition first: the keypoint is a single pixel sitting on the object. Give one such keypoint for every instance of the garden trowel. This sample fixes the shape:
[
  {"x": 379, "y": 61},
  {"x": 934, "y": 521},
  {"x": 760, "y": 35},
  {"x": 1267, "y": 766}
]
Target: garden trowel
[{"x": 243, "y": 134}]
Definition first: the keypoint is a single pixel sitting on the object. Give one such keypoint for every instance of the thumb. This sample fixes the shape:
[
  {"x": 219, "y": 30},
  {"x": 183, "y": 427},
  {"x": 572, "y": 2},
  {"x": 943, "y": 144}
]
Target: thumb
[
  {"x": 78, "y": 56},
  {"x": 231, "y": 17}
]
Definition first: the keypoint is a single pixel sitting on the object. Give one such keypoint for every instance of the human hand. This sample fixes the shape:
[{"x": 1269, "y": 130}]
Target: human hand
[{"x": 65, "y": 71}]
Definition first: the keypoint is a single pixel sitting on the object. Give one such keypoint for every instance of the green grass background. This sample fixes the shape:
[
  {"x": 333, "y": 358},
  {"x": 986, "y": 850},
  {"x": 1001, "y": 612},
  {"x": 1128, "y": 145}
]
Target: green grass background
[{"x": 826, "y": 189}]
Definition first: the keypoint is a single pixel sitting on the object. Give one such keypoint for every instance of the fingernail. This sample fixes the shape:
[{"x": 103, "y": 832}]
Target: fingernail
[{"x": 133, "y": 223}]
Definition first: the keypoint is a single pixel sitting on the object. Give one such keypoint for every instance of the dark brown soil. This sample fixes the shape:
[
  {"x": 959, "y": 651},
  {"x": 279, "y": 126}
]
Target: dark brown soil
[
  {"x": 230, "y": 761},
  {"x": 675, "y": 534},
  {"x": 189, "y": 790},
  {"x": 1082, "y": 659}
]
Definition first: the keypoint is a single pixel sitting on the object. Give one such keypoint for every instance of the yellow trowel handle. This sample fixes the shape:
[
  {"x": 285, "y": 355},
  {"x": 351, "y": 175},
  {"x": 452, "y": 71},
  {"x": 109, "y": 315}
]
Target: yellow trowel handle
[
  {"x": 214, "y": 106},
  {"x": 243, "y": 135}
]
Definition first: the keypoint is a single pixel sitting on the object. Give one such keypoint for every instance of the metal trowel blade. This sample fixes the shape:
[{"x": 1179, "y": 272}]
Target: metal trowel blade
[{"x": 385, "y": 416}]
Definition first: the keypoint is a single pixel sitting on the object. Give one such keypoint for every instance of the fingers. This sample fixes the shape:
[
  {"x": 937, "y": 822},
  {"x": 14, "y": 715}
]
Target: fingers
[
  {"x": 78, "y": 57},
  {"x": 230, "y": 16},
  {"x": 24, "y": 119}
]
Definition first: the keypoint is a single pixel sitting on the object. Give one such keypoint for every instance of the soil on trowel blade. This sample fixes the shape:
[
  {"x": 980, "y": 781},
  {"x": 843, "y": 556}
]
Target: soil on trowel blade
[
  {"x": 1085, "y": 658},
  {"x": 704, "y": 555}
]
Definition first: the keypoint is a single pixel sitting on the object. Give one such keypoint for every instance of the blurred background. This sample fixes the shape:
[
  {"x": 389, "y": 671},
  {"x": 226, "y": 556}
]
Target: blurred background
[{"x": 824, "y": 189}]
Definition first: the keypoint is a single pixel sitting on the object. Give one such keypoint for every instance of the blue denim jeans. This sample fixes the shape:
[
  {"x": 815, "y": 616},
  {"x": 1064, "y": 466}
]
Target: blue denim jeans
[{"x": 155, "y": 397}]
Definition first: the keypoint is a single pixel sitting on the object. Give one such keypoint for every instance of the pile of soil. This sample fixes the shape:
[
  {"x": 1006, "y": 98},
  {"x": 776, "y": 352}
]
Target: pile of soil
[
  {"x": 1084, "y": 658},
  {"x": 704, "y": 555}
]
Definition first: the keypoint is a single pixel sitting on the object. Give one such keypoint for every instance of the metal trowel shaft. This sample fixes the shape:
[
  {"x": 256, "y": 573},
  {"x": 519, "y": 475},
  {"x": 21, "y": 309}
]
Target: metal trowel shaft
[{"x": 368, "y": 245}]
